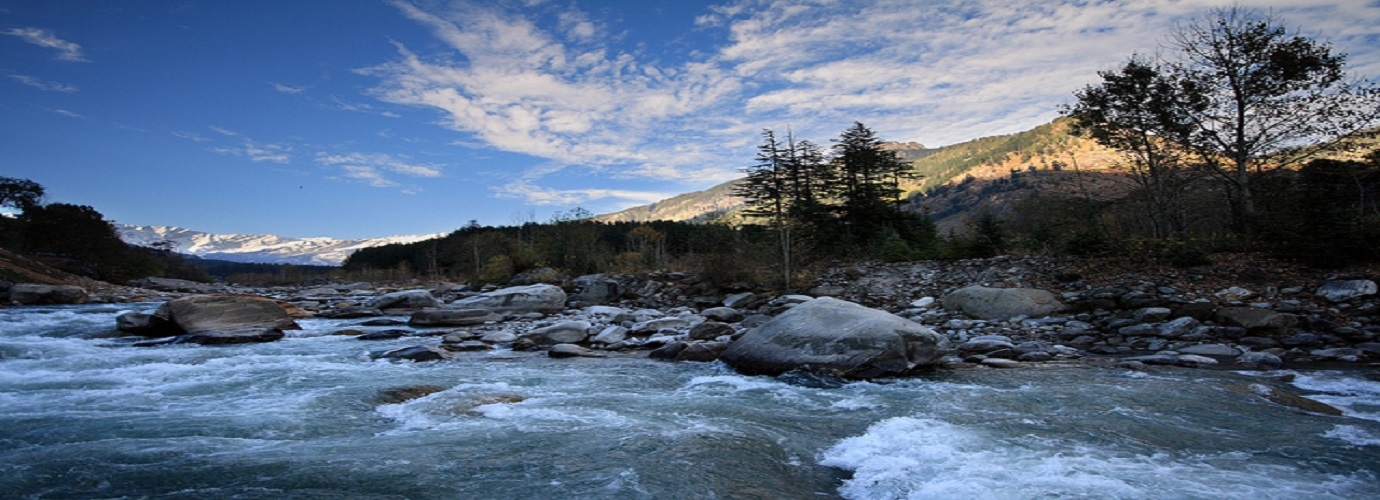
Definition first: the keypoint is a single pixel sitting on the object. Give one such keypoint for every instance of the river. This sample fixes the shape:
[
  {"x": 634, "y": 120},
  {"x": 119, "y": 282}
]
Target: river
[{"x": 314, "y": 416}]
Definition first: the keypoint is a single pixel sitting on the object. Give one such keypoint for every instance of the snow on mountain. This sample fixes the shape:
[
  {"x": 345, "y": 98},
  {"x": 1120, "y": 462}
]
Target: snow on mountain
[{"x": 261, "y": 248}]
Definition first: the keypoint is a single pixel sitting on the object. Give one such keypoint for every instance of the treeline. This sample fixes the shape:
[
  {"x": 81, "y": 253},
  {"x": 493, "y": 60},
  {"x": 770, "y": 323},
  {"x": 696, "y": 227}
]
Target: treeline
[{"x": 77, "y": 239}]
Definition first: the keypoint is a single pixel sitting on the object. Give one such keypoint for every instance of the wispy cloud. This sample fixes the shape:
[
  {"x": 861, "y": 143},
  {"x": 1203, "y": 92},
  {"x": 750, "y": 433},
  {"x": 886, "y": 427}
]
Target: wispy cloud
[
  {"x": 536, "y": 195},
  {"x": 286, "y": 89},
  {"x": 44, "y": 84},
  {"x": 374, "y": 168},
  {"x": 257, "y": 151},
  {"x": 66, "y": 51},
  {"x": 224, "y": 131},
  {"x": 67, "y": 113},
  {"x": 191, "y": 136},
  {"x": 545, "y": 80}
]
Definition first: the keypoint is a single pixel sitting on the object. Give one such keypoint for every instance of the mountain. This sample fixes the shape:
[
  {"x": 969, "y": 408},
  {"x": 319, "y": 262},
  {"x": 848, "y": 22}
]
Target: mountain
[
  {"x": 257, "y": 248},
  {"x": 986, "y": 173},
  {"x": 699, "y": 205}
]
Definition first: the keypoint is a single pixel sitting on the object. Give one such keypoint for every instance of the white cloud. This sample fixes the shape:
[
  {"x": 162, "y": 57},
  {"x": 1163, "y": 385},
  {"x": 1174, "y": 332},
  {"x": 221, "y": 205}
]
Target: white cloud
[
  {"x": 44, "y": 84},
  {"x": 67, "y": 113},
  {"x": 191, "y": 136},
  {"x": 287, "y": 89},
  {"x": 374, "y": 168},
  {"x": 224, "y": 131},
  {"x": 542, "y": 79},
  {"x": 256, "y": 151},
  {"x": 66, "y": 51},
  {"x": 537, "y": 195}
]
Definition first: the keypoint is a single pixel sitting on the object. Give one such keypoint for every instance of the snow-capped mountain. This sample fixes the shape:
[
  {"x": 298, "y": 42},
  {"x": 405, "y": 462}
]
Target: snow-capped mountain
[{"x": 262, "y": 248}]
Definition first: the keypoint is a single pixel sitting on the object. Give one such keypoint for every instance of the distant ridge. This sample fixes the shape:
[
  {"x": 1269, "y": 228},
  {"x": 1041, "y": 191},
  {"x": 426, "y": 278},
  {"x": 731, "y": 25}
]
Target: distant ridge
[
  {"x": 257, "y": 248},
  {"x": 689, "y": 206}
]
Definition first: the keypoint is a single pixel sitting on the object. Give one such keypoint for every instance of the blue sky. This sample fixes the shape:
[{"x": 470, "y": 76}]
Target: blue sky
[{"x": 363, "y": 118}]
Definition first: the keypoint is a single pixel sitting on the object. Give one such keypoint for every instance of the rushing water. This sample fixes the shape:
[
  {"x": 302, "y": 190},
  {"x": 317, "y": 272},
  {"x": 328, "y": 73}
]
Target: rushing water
[{"x": 85, "y": 416}]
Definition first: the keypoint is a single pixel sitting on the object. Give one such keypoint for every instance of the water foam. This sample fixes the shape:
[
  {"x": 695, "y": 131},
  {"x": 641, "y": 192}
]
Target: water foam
[{"x": 912, "y": 457}]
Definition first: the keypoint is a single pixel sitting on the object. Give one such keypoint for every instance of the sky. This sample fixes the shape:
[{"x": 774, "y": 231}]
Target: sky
[{"x": 368, "y": 118}]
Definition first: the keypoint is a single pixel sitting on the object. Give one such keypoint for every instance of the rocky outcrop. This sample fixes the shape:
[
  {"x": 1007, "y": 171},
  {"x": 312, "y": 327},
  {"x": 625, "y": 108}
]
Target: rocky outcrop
[
  {"x": 33, "y": 294},
  {"x": 1002, "y": 303},
  {"x": 518, "y": 299},
  {"x": 836, "y": 337},
  {"x": 453, "y": 317},
  {"x": 225, "y": 311}
]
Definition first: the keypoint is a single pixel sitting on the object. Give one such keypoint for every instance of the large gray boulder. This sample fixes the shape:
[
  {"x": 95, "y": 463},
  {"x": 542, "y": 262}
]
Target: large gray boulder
[
  {"x": 406, "y": 299},
  {"x": 1342, "y": 291},
  {"x": 839, "y": 338},
  {"x": 224, "y": 312},
  {"x": 520, "y": 299},
  {"x": 1002, "y": 303},
  {"x": 597, "y": 289},
  {"x": 34, "y": 294},
  {"x": 453, "y": 317}
]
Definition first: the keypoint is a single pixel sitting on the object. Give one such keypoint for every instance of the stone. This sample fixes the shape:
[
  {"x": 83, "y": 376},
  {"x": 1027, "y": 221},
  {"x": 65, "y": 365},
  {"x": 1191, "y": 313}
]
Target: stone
[
  {"x": 722, "y": 314},
  {"x": 499, "y": 337},
  {"x": 839, "y": 338},
  {"x": 668, "y": 351},
  {"x": 145, "y": 325},
  {"x": 406, "y": 299},
  {"x": 597, "y": 289},
  {"x": 241, "y": 335},
  {"x": 1286, "y": 398},
  {"x": 1177, "y": 327},
  {"x": 655, "y": 325},
  {"x": 710, "y": 330},
  {"x": 1342, "y": 291},
  {"x": 468, "y": 345},
  {"x": 1152, "y": 314},
  {"x": 983, "y": 346},
  {"x": 1348, "y": 354},
  {"x": 1000, "y": 363},
  {"x": 1257, "y": 321},
  {"x": 611, "y": 334},
  {"x": 170, "y": 285},
  {"x": 350, "y": 312},
  {"x": 225, "y": 311},
  {"x": 703, "y": 352},
  {"x": 1212, "y": 350},
  {"x": 384, "y": 335},
  {"x": 518, "y": 299},
  {"x": 565, "y": 332},
  {"x": 739, "y": 300},
  {"x": 33, "y": 294},
  {"x": 1260, "y": 361},
  {"x": 417, "y": 353},
  {"x": 452, "y": 317},
  {"x": 1002, "y": 303},
  {"x": 571, "y": 351},
  {"x": 923, "y": 303},
  {"x": 1234, "y": 294}
]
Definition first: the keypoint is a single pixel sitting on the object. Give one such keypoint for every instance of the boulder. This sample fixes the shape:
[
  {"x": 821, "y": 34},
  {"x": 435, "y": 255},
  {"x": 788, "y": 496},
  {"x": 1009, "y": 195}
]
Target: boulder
[
  {"x": 655, "y": 325},
  {"x": 520, "y": 299},
  {"x": 34, "y": 294},
  {"x": 499, "y": 337},
  {"x": 571, "y": 351},
  {"x": 170, "y": 285},
  {"x": 146, "y": 325},
  {"x": 1212, "y": 350},
  {"x": 838, "y": 338},
  {"x": 710, "y": 330},
  {"x": 384, "y": 335},
  {"x": 722, "y": 314},
  {"x": 1260, "y": 361},
  {"x": 406, "y": 299},
  {"x": 701, "y": 351},
  {"x": 350, "y": 312},
  {"x": 417, "y": 353},
  {"x": 596, "y": 289},
  {"x": 612, "y": 334},
  {"x": 452, "y": 317},
  {"x": 565, "y": 332},
  {"x": 1342, "y": 291},
  {"x": 1257, "y": 321},
  {"x": 241, "y": 335},
  {"x": 225, "y": 311},
  {"x": 739, "y": 300},
  {"x": 1002, "y": 303}
]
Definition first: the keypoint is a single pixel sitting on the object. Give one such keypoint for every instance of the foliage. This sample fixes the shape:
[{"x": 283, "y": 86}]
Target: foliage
[{"x": 22, "y": 194}]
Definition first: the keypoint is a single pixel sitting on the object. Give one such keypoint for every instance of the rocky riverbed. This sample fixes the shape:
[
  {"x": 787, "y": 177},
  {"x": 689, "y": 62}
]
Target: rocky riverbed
[{"x": 1242, "y": 312}]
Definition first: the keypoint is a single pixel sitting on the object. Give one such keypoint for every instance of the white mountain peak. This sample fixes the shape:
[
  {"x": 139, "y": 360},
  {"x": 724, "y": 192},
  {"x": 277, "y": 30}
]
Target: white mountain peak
[{"x": 261, "y": 248}]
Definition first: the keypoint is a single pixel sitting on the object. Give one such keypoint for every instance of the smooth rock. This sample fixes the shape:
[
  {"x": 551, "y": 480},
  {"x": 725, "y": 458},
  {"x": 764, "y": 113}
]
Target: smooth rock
[
  {"x": 565, "y": 332},
  {"x": 1342, "y": 291},
  {"x": 453, "y": 317},
  {"x": 1001, "y": 363},
  {"x": 406, "y": 299},
  {"x": 1213, "y": 350},
  {"x": 384, "y": 335},
  {"x": 710, "y": 330},
  {"x": 518, "y": 299},
  {"x": 170, "y": 285},
  {"x": 499, "y": 337},
  {"x": 242, "y": 335},
  {"x": 224, "y": 312},
  {"x": 612, "y": 334},
  {"x": 701, "y": 351},
  {"x": 739, "y": 300},
  {"x": 597, "y": 289},
  {"x": 1260, "y": 361},
  {"x": 1257, "y": 321},
  {"x": 145, "y": 325},
  {"x": 571, "y": 351},
  {"x": 417, "y": 353},
  {"x": 838, "y": 338},
  {"x": 722, "y": 314}
]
